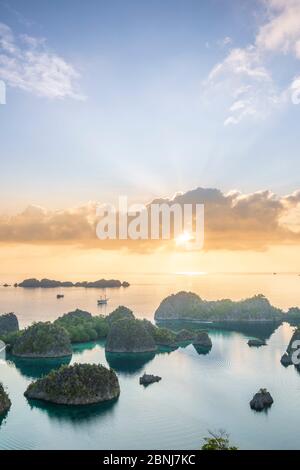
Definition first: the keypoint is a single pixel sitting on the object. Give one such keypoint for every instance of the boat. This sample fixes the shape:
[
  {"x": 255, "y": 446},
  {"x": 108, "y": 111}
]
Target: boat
[
  {"x": 102, "y": 300},
  {"x": 60, "y": 296}
]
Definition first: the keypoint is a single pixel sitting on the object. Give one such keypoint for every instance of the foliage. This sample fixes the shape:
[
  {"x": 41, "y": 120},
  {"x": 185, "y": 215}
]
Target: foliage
[
  {"x": 42, "y": 338},
  {"x": 119, "y": 314},
  {"x": 10, "y": 339},
  {"x": 187, "y": 305},
  {"x": 8, "y": 323},
  {"x": 129, "y": 335},
  {"x": 164, "y": 337},
  {"x": 82, "y": 326},
  {"x": 4, "y": 400},
  {"x": 79, "y": 381},
  {"x": 217, "y": 441}
]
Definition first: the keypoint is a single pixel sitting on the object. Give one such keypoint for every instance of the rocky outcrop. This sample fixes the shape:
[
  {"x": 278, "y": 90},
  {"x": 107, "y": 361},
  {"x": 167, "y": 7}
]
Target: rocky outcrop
[
  {"x": 256, "y": 343},
  {"x": 120, "y": 313},
  {"x": 190, "y": 307},
  {"x": 50, "y": 283},
  {"x": 8, "y": 324},
  {"x": 129, "y": 336},
  {"x": 148, "y": 379},
  {"x": 202, "y": 340},
  {"x": 80, "y": 384},
  {"x": 43, "y": 340},
  {"x": 5, "y": 402},
  {"x": 261, "y": 400}
]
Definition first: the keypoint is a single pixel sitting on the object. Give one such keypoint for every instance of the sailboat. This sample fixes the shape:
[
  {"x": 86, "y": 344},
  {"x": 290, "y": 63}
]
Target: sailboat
[{"x": 102, "y": 301}]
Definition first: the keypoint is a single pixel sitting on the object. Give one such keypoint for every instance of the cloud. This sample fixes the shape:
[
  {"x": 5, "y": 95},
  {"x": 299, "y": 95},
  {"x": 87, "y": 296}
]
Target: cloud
[
  {"x": 247, "y": 84},
  {"x": 225, "y": 41},
  {"x": 281, "y": 32},
  {"x": 245, "y": 69},
  {"x": 233, "y": 221},
  {"x": 27, "y": 63}
]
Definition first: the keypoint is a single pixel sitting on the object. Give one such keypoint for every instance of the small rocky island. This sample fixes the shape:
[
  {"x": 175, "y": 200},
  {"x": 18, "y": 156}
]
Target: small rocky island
[
  {"x": 129, "y": 336},
  {"x": 8, "y": 324},
  {"x": 43, "y": 340},
  {"x": 256, "y": 343},
  {"x": 202, "y": 340},
  {"x": 261, "y": 400},
  {"x": 50, "y": 283},
  {"x": 80, "y": 384},
  {"x": 5, "y": 402},
  {"x": 148, "y": 379}
]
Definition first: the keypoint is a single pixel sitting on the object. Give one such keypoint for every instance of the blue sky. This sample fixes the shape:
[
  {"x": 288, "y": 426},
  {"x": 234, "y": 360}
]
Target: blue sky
[{"x": 142, "y": 99}]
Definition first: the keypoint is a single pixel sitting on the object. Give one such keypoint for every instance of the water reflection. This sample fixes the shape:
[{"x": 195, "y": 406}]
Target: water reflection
[
  {"x": 76, "y": 414},
  {"x": 202, "y": 350},
  {"x": 3, "y": 417},
  {"x": 261, "y": 330},
  {"x": 80, "y": 348},
  {"x": 128, "y": 363},
  {"x": 36, "y": 368}
]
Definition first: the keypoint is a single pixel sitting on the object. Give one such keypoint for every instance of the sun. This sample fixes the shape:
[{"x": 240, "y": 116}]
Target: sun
[{"x": 183, "y": 239}]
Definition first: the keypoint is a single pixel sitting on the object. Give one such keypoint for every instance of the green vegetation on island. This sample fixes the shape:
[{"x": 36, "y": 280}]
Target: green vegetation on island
[
  {"x": 5, "y": 402},
  {"x": 129, "y": 336},
  {"x": 82, "y": 326},
  {"x": 293, "y": 315},
  {"x": 8, "y": 324},
  {"x": 217, "y": 441},
  {"x": 119, "y": 314},
  {"x": 79, "y": 384},
  {"x": 42, "y": 340},
  {"x": 189, "y": 306}
]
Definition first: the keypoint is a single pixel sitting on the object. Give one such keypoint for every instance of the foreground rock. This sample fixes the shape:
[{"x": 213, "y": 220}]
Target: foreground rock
[
  {"x": 256, "y": 343},
  {"x": 8, "y": 324},
  {"x": 43, "y": 340},
  {"x": 80, "y": 384},
  {"x": 129, "y": 336},
  {"x": 5, "y": 402},
  {"x": 190, "y": 307},
  {"x": 148, "y": 379},
  {"x": 261, "y": 400},
  {"x": 49, "y": 283}
]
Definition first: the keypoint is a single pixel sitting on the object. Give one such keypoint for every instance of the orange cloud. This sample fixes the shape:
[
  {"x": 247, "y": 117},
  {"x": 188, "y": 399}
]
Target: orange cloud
[{"x": 233, "y": 221}]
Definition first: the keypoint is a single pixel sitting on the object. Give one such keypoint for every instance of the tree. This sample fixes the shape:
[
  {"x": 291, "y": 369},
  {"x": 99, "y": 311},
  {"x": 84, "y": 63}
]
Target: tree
[{"x": 217, "y": 441}]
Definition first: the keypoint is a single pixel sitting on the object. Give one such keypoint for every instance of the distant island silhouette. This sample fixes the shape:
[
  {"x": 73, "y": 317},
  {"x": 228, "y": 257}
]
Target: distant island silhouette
[{"x": 49, "y": 283}]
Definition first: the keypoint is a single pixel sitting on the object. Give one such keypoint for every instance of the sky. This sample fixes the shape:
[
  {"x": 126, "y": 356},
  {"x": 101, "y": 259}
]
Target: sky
[{"x": 148, "y": 99}]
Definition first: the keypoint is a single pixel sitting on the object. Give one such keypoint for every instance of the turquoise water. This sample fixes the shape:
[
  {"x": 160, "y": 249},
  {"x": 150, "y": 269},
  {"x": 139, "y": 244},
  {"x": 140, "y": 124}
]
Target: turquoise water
[{"x": 197, "y": 393}]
